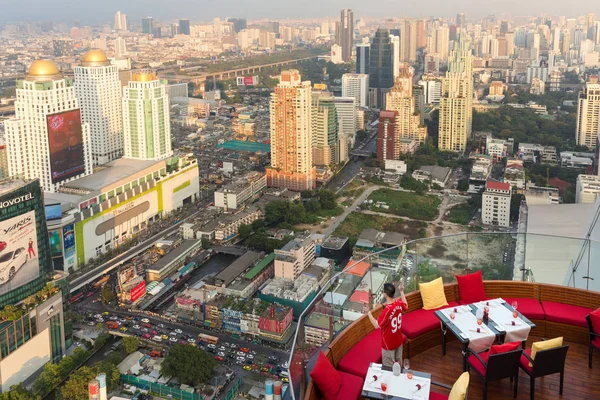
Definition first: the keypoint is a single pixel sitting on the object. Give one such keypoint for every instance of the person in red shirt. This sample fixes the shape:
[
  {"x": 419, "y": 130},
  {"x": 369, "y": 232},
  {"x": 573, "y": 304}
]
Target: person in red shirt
[{"x": 390, "y": 322}]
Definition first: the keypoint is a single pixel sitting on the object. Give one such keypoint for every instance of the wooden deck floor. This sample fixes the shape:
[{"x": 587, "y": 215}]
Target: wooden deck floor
[{"x": 580, "y": 382}]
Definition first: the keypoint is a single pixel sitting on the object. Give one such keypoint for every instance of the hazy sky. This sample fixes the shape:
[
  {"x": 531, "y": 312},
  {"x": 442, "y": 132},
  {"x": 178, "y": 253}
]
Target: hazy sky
[{"x": 98, "y": 11}]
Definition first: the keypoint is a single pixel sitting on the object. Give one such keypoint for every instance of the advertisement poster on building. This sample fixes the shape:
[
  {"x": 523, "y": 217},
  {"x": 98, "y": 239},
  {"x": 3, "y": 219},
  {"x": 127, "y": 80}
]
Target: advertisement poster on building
[
  {"x": 126, "y": 274},
  {"x": 19, "y": 252},
  {"x": 56, "y": 248},
  {"x": 138, "y": 291},
  {"x": 69, "y": 244},
  {"x": 65, "y": 141}
]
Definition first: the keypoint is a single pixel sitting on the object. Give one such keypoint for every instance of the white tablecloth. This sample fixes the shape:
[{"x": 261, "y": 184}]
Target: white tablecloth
[
  {"x": 467, "y": 323},
  {"x": 399, "y": 386},
  {"x": 503, "y": 318}
]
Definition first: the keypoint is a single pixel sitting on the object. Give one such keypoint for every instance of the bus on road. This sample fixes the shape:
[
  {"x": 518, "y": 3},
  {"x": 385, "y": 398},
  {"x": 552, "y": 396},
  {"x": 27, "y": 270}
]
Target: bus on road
[
  {"x": 102, "y": 282},
  {"x": 207, "y": 339},
  {"x": 76, "y": 297}
]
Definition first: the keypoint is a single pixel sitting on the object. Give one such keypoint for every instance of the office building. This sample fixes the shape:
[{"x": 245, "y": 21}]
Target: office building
[
  {"x": 184, "y": 26},
  {"x": 587, "y": 190},
  {"x": 98, "y": 89},
  {"x": 395, "y": 42},
  {"x": 120, "y": 48},
  {"x": 386, "y": 136},
  {"x": 336, "y": 54},
  {"x": 432, "y": 89},
  {"x": 344, "y": 35},
  {"x": 588, "y": 114},
  {"x": 120, "y": 21},
  {"x": 496, "y": 204},
  {"x": 148, "y": 25},
  {"x": 291, "y": 155},
  {"x": 146, "y": 123},
  {"x": 362, "y": 58},
  {"x": 408, "y": 41},
  {"x": 456, "y": 104},
  {"x": 438, "y": 42},
  {"x": 324, "y": 127},
  {"x": 238, "y": 24},
  {"x": 47, "y": 140},
  {"x": 347, "y": 117},
  {"x": 381, "y": 74},
  {"x": 357, "y": 86},
  {"x": 400, "y": 99},
  {"x": 237, "y": 193},
  {"x": 294, "y": 257}
]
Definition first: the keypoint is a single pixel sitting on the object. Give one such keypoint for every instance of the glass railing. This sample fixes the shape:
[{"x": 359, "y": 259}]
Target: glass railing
[{"x": 354, "y": 290}]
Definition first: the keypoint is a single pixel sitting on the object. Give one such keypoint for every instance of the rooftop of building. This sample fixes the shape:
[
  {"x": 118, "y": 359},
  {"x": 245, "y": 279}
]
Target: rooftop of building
[
  {"x": 437, "y": 172},
  {"x": 357, "y": 268},
  {"x": 236, "y": 268},
  {"x": 323, "y": 321},
  {"x": 172, "y": 255},
  {"x": 260, "y": 266},
  {"x": 493, "y": 185},
  {"x": 8, "y": 185},
  {"x": 334, "y": 242},
  {"x": 275, "y": 312}
]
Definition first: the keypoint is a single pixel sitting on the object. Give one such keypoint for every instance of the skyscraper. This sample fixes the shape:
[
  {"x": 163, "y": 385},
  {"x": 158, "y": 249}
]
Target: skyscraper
[
  {"x": 47, "y": 140},
  {"x": 98, "y": 89},
  {"x": 400, "y": 99},
  {"x": 588, "y": 114},
  {"x": 324, "y": 129},
  {"x": 184, "y": 26},
  {"x": 345, "y": 33},
  {"x": 408, "y": 41},
  {"x": 395, "y": 41},
  {"x": 120, "y": 48},
  {"x": 238, "y": 24},
  {"x": 148, "y": 25},
  {"x": 456, "y": 104},
  {"x": 120, "y": 21},
  {"x": 460, "y": 20},
  {"x": 386, "y": 136},
  {"x": 146, "y": 124},
  {"x": 291, "y": 139},
  {"x": 357, "y": 86},
  {"x": 381, "y": 74},
  {"x": 362, "y": 58}
]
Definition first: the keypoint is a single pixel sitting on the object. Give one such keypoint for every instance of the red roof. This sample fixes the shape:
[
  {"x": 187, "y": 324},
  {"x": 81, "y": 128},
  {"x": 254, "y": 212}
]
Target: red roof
[
  {"x": 357, "y": 268},
  {"x": 497, "y": 185},
  {"x": 558, "y": 183},
  {"x": 360, "y": 297}
]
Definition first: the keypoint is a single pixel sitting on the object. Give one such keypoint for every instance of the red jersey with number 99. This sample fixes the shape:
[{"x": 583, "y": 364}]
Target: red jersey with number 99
[{"x": 390, "y": 322}]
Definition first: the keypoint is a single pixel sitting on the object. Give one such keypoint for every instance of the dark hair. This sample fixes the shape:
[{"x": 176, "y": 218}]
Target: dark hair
[{"x": 389, "y": 289}]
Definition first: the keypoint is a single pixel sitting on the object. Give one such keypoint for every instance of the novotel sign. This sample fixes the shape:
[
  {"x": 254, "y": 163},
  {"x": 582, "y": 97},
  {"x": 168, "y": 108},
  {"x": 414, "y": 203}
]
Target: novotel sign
[{"x": 16, "y": 200}]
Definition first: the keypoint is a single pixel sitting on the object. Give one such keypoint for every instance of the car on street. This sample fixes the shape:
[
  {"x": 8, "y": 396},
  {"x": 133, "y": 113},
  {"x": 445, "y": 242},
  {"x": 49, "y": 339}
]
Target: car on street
[
  {"x": 285, "y": 365},
  {"x": 145, "y": 320},
  {"x": 161, "y": 326},
  {"x": 129, "y": 318},
  {"x": 218, "y": 358},
  {"x": 123, "y": 329},
  {"x": 146, "y": 330},
  {"x": 211, "y": 346},
  {"x": 136, "y": 327},
  {"x": 157, "y": 339},
  {"x": 146, "y": 336},
  {"x": 247, "y": 368},
  {"x": 250, "y": 356},
  {"x": 241, "y": 359},
  {"x": 91, "y": 323},
  {"x": 164, "y": 337},
  {"x": 190, "y": 340},
  {"x": 148, "y": 326},
  {"x": 241, "y": 354},
  {"x": 221, "y": 354},
  {"x": 179, "y": 331},
  {"x": 222, "y": 348},
  {"x": 153, "y": 333},
  {"x": 173, "y": 334},
  {"x": 244, "y": 349},
  {"x": 173, "y": 340},
  {"x": 113, "y": 318},
  {"x": 238, "y": 362}
]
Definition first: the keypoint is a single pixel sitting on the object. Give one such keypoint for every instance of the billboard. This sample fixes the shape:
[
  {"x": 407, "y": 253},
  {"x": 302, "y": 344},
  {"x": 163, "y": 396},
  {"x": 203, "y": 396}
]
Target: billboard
[
  {"x": 247, "y": 80},
  {"x": 68, "y": 232},
  {"x": 18, "y": 252},
  {"x": 53, "y": 212},
  {"x": 126, "y": 274},
  {"x": 138, "y": 291},
  {"x": 65, "y": 142},
  {"x": 55, "y": 243}
]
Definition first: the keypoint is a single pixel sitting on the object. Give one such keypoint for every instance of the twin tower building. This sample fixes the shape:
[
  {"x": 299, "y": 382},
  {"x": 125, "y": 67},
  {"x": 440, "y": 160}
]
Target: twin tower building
[{"x": 64, "y": 126}]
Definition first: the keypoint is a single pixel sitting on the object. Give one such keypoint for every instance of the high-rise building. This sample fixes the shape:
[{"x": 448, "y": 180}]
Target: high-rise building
[
  {"x": 47, "y": 140},
  {"x": 587, "y": 189},
  {"x": 146, "y": 124},
  {"x": 456, "y": 104},
  {"x": 400, "y": 99},
  {"x": 588, "y": 114},
  {"x": 496, "y": 204},
  {"x": 148, "y": 25},
  {"x": 386, "y": 136},
  {"x": 184, "y": 26},
  {"x": 566, "y": 42},
  {"x": 174, "y": 29},
  {"x": 324, "y": 129},
  {"x": 362, "y": 58},
  {"x": 120, "y": 21},
  {"x": 408, "y": 41},
  {"x": 120, "y": 48},
  {"x": 98, "y": 89},
  {"x": 357, "y": 86},
  {"x": 291, "y": 139},
  {"x": 345, "y": 33},
  {"x": 238, "y": 24},
  {"x": 381, "y": 74},
  {"x": 461, "y": 20},
  {"x": 395, "y": 41},
  {"x": 347, "y": 117},
  {"x": 421, "y": 38}
]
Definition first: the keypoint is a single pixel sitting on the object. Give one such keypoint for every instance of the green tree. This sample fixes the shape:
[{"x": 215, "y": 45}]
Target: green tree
[
  {"x": 18, "y": 392},
  {"x": 101, "y": 340},
  {"x": 295, "y": 214},
  {"x": 131, "y": 344},
  {"x": 327, "y": 199},
  {"x": 275, "y": 211},
  {"x": 258, "y": 225},
  {"x": 245, "y": 231},
  {"x": 190, "y": 365},
  {"x": 312, "y": 206},
  {"x": 49, "y": 377},
  {"x": 107, "y": 294},
  {"x": 463, "y": 185}
]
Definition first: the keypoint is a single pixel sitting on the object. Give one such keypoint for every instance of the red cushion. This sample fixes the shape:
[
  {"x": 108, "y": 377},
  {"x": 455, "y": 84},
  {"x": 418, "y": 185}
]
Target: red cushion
[
  {"x": 368, "y": 350},
  {"x": 470, "y": 287},
  {"x": 351, "y": 387},
  {"x": 504, "y": 348},
  {"x": 595, "y": 319},
  {"x": 525, "y": 361},
  {"x": 475, "y": 363},
  {"x": 418, "y": 322},
  {"x": 437, "y": 396},
  {"x": 565, "y": 313},
  {"x": 530, "y": 308},
  {"x": 326, "y": 377}
]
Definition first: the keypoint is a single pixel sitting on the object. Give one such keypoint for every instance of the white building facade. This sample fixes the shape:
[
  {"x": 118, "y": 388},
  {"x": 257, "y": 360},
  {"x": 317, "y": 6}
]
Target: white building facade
[
  {"x": 357, "y": 86},
  {"x": 495, "y": 208},
  {"x": 588, "y": 188}
]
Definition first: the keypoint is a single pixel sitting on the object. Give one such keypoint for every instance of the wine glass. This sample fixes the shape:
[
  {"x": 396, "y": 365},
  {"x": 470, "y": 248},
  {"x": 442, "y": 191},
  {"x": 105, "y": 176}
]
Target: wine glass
[
  {"x": 384, "y": 384},
  {"x": 479, "y": 315},
  {"x": 514, "y": 305},
  {"x": 406, "y": 364}
]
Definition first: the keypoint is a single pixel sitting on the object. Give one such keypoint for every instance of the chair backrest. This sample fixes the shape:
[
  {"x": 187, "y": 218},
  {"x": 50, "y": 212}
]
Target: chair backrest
[
  {"x": 503, "y": 365},
  {"x": 550, "y": 361},
  {"x": 588, "y": 319}
]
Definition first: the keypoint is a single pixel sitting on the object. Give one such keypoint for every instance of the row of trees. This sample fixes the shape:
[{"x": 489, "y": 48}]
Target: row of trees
[
  {"x": 255, "y": 237},
  {"x": 189, "y": 364},
  {"x": 308, "y": 210}
]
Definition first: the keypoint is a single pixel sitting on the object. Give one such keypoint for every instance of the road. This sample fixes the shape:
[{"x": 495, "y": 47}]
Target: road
[
  {"x": 351, "y": 168},
  {"x": 340, "y": 218}
]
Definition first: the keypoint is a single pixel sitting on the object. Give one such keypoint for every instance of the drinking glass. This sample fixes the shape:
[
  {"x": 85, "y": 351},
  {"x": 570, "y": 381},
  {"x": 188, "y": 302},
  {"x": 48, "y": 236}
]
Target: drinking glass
[
  {"x": 406, "y": 364},
  {"x": 384, "y": 384},
  {"x": 479, "y": 315},
  {"x": 514, "y": 305}
]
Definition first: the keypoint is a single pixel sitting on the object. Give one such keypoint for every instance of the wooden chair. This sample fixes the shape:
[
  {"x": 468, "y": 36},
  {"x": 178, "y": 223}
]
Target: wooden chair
[
  {"x": 594, "y": 339},
  {"x": 496, "y": 367},
  {"x": 547, "y": 362}
]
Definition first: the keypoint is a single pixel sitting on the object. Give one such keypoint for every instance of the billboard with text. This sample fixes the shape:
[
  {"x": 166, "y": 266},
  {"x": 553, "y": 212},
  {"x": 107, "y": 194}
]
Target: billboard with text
[{"x": 65, "y": 142}]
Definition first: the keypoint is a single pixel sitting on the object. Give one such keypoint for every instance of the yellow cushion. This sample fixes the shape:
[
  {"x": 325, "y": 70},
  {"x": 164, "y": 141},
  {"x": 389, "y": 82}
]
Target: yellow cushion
[
  {"x": 545, "y": 345},
  {"x": 459, "y": 389},
  {"x": 433, "y": 294}
]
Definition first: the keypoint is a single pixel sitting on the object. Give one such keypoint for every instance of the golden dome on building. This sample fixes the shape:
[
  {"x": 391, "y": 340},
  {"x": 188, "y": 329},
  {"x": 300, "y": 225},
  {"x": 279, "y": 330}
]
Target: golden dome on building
[
  {"x": 43, "y": 68},
  {"x": 95, "y": 56},
  {"x": 144, "y": 75}
]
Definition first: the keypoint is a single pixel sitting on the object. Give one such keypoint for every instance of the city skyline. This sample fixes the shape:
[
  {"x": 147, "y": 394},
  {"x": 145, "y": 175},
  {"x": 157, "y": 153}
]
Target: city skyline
[{"x": 103, "y": 13}]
